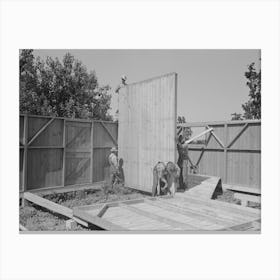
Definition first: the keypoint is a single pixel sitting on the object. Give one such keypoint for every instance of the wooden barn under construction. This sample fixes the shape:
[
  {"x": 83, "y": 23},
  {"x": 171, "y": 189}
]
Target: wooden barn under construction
[{"x": 61, "y": 155}]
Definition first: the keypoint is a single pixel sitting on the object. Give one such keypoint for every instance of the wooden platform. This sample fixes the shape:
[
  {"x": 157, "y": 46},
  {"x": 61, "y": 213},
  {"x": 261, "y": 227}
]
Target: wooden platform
[
  {"x": 207, "y": 187},
  {"x": 180, "y": 213}
]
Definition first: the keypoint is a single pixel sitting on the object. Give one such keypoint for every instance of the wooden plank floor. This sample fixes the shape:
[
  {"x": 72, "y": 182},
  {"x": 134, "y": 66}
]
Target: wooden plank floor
[{"x": 180, "y": 213}]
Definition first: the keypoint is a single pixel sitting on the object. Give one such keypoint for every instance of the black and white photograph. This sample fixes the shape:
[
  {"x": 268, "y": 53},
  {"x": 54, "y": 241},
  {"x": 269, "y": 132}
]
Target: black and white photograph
[{"x": 140, "y": 140}]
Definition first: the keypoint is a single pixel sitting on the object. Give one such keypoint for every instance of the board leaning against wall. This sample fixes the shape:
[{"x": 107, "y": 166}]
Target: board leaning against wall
[{"x": 147, "y": 128}]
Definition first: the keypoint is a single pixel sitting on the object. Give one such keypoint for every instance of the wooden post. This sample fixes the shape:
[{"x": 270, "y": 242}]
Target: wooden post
[
  {"x": 225, "y": 152},
  {"x": 25, "y": 154},
  {"x": 64, "y": 153},
  {"x": 91, "y": 151}
]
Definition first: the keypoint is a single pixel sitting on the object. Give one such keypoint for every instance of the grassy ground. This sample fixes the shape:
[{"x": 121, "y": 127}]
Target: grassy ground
[
  {"x": 228, "y": 196},
  {"x": 35, "y": 218}
]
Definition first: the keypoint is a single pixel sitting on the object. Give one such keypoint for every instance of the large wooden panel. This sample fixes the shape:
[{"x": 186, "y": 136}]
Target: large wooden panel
[
  {"x": 44, "y": 168},
  {"x": 147, "y": 128},
  {"x": 100, "y": 162},
  {"x": 35, "y": 124},
  {"x": 244, "y": 169},
  {"x": 20, "y": 169},
  {"x": 78, "y": 153},
  {"x": 51, "y": 136},
  {"x": 77, "y": 168},
  {"x": 78, "y": 135},
  {"x": 105, "y": 135}
]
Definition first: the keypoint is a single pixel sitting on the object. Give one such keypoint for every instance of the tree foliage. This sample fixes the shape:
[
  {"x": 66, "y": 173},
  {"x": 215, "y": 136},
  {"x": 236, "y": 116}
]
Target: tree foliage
[
  {"x": 61, "y": 88},
  {"x": 251, "y": 108}
]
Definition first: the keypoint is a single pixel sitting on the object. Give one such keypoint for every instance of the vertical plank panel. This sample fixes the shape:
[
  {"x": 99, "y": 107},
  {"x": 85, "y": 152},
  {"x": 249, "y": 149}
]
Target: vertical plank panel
[{"x": 149, "y": 129}]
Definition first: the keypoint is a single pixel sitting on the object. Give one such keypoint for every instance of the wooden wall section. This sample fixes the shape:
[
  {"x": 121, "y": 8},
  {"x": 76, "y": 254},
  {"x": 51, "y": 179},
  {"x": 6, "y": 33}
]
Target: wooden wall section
[
  {"x": 58, "y": 152},
  {"x": 238, "y": 160},
  {"x": 147, "y": 128}
]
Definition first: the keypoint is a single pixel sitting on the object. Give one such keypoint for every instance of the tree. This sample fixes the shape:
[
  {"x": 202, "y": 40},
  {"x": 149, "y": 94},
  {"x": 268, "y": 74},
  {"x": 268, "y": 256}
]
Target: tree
[
  {"x": 252, "y": 108},
  {"x": 186, "y": 131},
  {"x": 63, "y": 89}
]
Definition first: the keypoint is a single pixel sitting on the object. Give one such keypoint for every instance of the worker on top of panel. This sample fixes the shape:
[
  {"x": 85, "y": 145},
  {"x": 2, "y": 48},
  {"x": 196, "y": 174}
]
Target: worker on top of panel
[
  {"x": 122, "y": 84},
  {"x": 113, "y": 161}
]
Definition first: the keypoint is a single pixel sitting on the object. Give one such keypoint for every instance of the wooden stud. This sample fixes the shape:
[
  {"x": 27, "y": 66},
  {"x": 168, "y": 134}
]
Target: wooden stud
[
  {"x": 25, "y": 154},
  {"x": 40, "y": 131},
  {"x": 91, "y": 151},
  {"x": 45, "y": 203},
  {"x": 225, "y": 152},
  {"x": 216, "y": 138},
  {"x": 197, "y": 136},
  {"x": 238, "y": 135},
  {"x": 64, "y": 154},
  {"x": 109, "y": 133}
]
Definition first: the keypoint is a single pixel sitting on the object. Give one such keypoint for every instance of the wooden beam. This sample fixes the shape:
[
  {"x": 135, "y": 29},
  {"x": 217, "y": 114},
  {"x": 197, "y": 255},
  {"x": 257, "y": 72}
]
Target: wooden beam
[
  {"x": 237, "y": 135},
  {"x": 245, "y": 198},
  {"x": 25, "y": 154},
  {"x": 64, "y": 154},
  {"x": 109, "y": 133},
  {"x": 91, "y": 152},
  {"x": 225, "y": 152},
  {"x": 95, "y": 220},
  {"x": 244, "y": 189},
  {"x": 40, "y": 131},
  {"x": 45, "y": 203},
  {"x": 197, "y": 136},
  {"x": 217, "y": 138},
  {"x": 22, "y": 228},
  {"x": 217, "y": 123},
  {"x": 102, "y": 211}
]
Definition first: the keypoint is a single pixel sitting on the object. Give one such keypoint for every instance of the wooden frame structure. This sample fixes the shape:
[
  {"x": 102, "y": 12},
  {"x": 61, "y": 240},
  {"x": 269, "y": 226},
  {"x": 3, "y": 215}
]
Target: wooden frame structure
[
  {"x": 61, "y": 153},
  {"x": 232, "y": 151},
  {"x": 170, "y": 214}
]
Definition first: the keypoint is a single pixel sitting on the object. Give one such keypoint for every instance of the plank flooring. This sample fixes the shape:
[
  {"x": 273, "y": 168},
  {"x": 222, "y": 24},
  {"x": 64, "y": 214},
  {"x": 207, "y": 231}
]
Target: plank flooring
[{"x": 183, "y": 212}]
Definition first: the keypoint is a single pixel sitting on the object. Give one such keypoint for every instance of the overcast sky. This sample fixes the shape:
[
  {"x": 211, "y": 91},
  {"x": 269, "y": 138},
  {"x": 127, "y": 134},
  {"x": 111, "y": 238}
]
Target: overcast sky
[{"x": 211, "y": 83}]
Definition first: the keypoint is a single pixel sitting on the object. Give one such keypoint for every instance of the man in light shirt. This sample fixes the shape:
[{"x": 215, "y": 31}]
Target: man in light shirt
[{"x": 113, "y": 161}]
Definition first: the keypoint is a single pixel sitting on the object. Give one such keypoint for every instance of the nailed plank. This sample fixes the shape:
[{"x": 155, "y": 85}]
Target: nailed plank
[
  {"x": 197, "y": 136},
  {"x": 191, "y": 213},
  {"x": 22, "y": 228},
  {"x": 95, "y": 220},
  {"x": 237, "y": 135},
  {"x": 45, "y": 203},
  {"x": 40, "y": 131},
  {"x": 109, "y": 133},
  {"x": 171, "y": 222},
  {"x": 242, "y": 189},
  {"x": 216, "y": 137},
  {"x": 230, "y": 207}
]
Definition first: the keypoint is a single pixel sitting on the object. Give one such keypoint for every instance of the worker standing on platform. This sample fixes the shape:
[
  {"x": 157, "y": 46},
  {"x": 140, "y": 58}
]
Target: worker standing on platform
[
  {"x": 180, "y": 161},
  {"x": 113, "y": 161}
]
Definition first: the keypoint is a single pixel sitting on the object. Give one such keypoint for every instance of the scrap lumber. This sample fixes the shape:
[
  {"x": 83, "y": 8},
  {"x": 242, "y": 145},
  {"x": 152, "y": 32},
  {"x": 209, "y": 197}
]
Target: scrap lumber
[
  {"x": 197, "y": 136},
  {"x": 245, "y": 198},
  {"x": 22, "y": 228},
  {"x": 54, "y": 207}
]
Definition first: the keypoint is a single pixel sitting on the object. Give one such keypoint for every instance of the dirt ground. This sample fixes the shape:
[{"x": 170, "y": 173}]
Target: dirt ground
[
  {"x": 228, "y": 196},
  {"x": 35, "y": 218}
]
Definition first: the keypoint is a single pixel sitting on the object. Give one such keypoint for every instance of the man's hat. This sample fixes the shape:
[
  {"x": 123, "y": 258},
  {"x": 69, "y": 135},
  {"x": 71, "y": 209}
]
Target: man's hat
[{"x": 114, "y": 149}]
